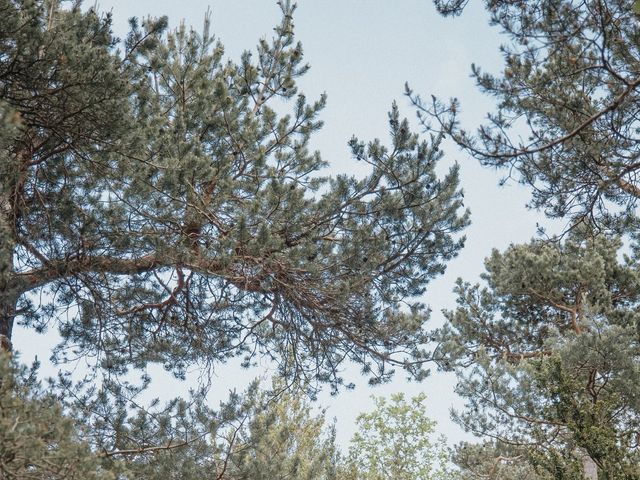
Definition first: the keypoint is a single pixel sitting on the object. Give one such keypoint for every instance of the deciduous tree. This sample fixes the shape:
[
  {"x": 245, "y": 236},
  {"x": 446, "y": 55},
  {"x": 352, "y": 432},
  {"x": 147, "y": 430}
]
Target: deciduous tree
[{"x": 396, "y": 440}]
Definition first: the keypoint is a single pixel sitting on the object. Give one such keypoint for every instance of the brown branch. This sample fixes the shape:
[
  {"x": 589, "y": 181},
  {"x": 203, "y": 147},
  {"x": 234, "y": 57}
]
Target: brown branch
[
  {"x": 524, "y": 355},
  {"x": 141, "y": 450},
  {"x": 617, "y": 101},
  {"x": 58, "y": 269},
  {"x": 573, "y": 311},
  {"x": 498, "y": 460},
  {"x": 171, "y": 300}
]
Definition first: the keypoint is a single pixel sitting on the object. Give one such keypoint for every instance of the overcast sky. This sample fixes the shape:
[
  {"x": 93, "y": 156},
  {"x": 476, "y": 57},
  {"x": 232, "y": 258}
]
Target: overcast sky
[{"x": 361, "y": 53}]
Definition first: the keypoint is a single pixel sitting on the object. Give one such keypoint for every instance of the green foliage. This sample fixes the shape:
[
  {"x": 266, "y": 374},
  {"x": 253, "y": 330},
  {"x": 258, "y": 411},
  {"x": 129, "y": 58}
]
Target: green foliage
[
  {"x": 548, "y": 355},
  {"x": 396, "y": 441},
  {"x": 283, "y": 440},
  {"x": 37, "y": 441},
  {"x": 495, "y": 461},
  {"x": 259, "y": 435},
  {"x": 256, "y": 435},
  {"x": 162, "y": 209},
  {"x": 174, "y": 217},
  {"x": 566, "y": 100}
]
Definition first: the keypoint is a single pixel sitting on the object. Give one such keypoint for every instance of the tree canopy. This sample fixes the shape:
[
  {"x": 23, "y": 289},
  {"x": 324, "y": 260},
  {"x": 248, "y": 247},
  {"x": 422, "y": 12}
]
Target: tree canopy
[
  {"x": 565, "y": 120},
  {"x": 164, "y": 211},
  {"x": 547, "y": 350},
  {"x": 396, "y": 440},
  {"x": 161, "y": 204},
  {"x": 548, "y": 355}
]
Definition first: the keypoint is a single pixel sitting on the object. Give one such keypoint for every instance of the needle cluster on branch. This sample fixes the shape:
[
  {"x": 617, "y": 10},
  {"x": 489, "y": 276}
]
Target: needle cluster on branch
[
  {"x": 566, "y": 116},
  {"x": 161, "y": 210}
]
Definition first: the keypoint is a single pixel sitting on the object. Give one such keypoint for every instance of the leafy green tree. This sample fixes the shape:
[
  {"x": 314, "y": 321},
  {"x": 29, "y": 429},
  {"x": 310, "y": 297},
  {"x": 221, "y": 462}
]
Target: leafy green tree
[
  {"x": 548, "y": 356},
  {"x": 565, "y": 120},
  {"x": 396, "y": 441},
  {"x": 170, "y": 215}
]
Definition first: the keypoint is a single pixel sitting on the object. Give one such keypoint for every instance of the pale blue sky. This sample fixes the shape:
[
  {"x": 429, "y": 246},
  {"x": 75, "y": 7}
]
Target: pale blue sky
[{"x": 361, "y": 53}]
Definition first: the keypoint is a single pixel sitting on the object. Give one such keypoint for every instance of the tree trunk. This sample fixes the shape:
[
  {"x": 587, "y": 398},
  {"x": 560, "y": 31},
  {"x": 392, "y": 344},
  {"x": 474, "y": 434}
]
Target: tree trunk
[
  {"x": 7, "y": 314},
  {"x": 8, "y": 293},
  {"x": 590, "y": 468}
]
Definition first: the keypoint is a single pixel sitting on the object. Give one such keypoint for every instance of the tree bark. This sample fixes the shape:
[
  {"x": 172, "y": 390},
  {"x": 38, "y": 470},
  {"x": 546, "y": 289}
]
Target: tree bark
[
  {"x": 590, "y": 468},
  {"x": 8, "y": 293},
  {"x": 8, "y": 303}
]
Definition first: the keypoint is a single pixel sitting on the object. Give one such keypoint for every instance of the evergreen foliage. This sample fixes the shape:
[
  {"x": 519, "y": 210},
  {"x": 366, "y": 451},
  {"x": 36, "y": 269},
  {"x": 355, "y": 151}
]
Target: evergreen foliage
[
  {"x": 547, "y": 351},
  {"x": 162, "y": 208},
  {"x": 282, "y": 440},
  {"x": 252, "y": 436},
  {"x": 37, "y": 441},
  {"x": 171, "y": 215},
  {"x": 565, "y": 120},
  {"x": 262, "y": 434},
  {"x": 548, "y": 355},
  {"x": 495, "y": 461}
]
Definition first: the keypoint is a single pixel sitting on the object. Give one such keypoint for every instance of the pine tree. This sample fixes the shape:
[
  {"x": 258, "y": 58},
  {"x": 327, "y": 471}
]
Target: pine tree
[
  {"x": 565, "y": 120},
  {"x": 547, "y": 353},
  {"x": 260, "y": 434},
  {"x": 167, "y": 213},
  {"x": 548, "y": 356},
  {"x": 37, "y": 440},
  {"x": 157, "y": 207},
  {"x": 282, "y": 440},
  {"x": 495, "y": 461}
]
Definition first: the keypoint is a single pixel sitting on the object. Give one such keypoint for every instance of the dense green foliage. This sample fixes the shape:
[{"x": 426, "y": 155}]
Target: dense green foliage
[
  {"x": 36, "y": 440},
  {"x": 494, "y": 461},
  {"x": 252, "y": 436},
  {"x": 171, "y": 215},
  {"x": 284, "y": 440},
  {"x": 259, "y": 435},
  {"x": 547, "y": 352},
  {"x": 548, "y": 355},
  {"x": 156, "y": 206},
  {"x": 262, "y": 434},
  {"x": 162, "y": 207}
]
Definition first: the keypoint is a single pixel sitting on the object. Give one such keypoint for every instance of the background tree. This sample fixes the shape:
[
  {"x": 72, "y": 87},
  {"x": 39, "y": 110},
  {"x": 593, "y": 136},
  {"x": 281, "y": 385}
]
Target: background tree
[
  {"x": 284, "y": 440},
  {"x": 495, "y": 461},
  {"x": 548, "y": 355},
  {"x": 171, "y": 215},
  {"x": 396, "y": 441},
  {"x": 37, "y": 440},
  {"x": 270, "y": 434},
  {"x": 267, "y": 434},
  {"x": 566, "y": 118}
]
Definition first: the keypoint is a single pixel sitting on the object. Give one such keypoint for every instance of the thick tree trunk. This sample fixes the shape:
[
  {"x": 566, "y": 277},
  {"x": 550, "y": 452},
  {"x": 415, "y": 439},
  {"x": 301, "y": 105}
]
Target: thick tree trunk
[{"x": 8, "y": 303}]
